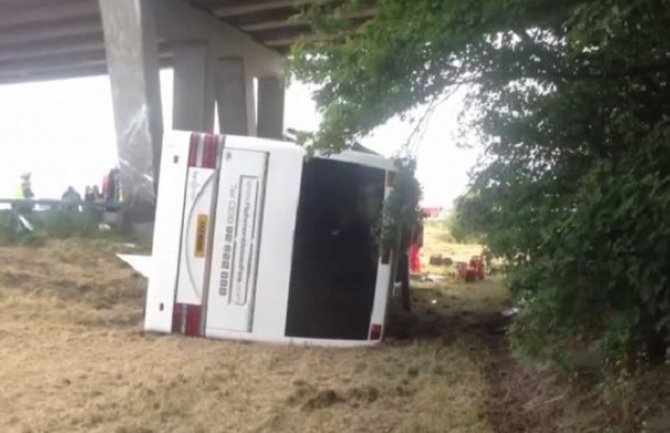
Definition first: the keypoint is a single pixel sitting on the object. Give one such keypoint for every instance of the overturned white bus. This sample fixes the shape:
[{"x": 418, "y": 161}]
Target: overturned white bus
[{"x": 255, "y": 241}]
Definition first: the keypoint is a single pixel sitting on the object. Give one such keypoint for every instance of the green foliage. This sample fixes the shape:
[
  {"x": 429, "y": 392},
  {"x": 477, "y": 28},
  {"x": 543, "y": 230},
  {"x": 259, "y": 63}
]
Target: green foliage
[
  {"x": 574, "y": 190},
  {"x": 401, "y": 208},
  {"x": 414, "y": 51},
  {"x": 463, "y": 230},
  {"x": 603, "y": 270},
  {"x": 61, "y": 224},
  {"x": 572, "y": 105},
  {"x": 458, "y": 228},
  {"x": 13, "y": 233},
  {"x": 54, "y": 224}
]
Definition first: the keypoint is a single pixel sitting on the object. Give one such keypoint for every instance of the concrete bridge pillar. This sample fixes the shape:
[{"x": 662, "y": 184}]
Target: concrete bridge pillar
[
  {"x": 193, "y": 104},
  {"x": 132, "y": 61},
  {"x": 213, "y": 61},
  {"x": 271, "y": 107},
  {"x": 235, "y": 97}
]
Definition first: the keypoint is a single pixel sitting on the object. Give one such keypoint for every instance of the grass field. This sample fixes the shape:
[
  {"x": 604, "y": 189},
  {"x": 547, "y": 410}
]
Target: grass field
[{"x": 74, "y": 359}]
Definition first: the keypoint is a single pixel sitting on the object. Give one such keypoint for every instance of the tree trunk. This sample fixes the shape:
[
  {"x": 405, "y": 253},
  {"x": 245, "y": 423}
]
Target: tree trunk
[
  {"x": 657, "y": 348},
  {"x": 403, "y": 270}
]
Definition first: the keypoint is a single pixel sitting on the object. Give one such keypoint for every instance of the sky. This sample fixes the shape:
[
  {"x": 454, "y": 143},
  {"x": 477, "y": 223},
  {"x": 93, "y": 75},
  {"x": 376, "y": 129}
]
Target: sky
[{"x": 63, "y": 133}]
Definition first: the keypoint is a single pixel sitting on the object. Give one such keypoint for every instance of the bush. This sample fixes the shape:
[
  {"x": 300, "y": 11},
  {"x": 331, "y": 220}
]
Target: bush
[
  {"x": 461, "y": 229},
  {"x": 62, "y": 224},
  {"x": 12, "y": 232},
  {"x": 591, "y": 268},
  {"x": 605, "y": 270},
  {"x": 574, "y": 190},
  {"x": 56, "y": 224}
]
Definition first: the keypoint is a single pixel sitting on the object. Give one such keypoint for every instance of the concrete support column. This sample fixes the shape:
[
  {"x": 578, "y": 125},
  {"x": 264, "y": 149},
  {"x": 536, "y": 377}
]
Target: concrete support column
[
  {"x": 132, "y": 61},
  {"x": 193, "y": 105},
  {"x": 270, "y": 107},
  {"x": 252, "y": 121},
  {"x": 232, "y": 94}
]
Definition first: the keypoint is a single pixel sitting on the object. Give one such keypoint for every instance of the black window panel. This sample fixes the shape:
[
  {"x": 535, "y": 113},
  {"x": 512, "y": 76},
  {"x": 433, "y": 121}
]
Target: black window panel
[{"x": 335, "y": 258}]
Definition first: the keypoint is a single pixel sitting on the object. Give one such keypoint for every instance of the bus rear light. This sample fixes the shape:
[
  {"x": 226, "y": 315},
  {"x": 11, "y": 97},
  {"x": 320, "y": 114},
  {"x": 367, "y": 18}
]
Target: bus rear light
[{"x": 376, "y": 331}]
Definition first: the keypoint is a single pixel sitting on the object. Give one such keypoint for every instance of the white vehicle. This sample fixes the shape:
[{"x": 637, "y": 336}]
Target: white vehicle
[{"x": 254, "y": 241}]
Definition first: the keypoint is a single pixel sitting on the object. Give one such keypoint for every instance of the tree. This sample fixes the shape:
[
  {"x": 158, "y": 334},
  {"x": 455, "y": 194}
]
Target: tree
[
  {"x": 572, "y": 104},
  {"x": 400, "y": 216}
]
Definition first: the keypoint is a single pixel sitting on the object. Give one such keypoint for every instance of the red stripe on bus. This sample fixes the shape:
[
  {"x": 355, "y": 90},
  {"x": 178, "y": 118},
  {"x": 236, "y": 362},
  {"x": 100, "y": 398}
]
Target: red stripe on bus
[
  {"x": 193, "y": 150},
  {"x": 209, "y": 158},
  {"x": 177, "y": 314},
  {"x": 193, "y": 320},
  {"x": 376, "y": 331}
]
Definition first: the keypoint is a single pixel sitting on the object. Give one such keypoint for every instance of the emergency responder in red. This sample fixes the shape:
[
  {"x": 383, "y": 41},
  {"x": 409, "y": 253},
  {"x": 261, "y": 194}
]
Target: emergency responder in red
[{"x": 415, "y": 248}]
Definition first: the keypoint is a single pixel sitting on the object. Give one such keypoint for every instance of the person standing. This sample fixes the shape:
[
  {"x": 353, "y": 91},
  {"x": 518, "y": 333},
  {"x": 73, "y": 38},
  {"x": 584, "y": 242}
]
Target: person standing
[
  {"x": 26, "y": 187},
  {"x": 71, "y": 199},
  {"x": 24, "y": 192},
  {"x": 89, "y": 197},
  {"x": 415, "y": 247},
  {"x": 113, "y": 190},
  {"x": 97, "y": 195}
]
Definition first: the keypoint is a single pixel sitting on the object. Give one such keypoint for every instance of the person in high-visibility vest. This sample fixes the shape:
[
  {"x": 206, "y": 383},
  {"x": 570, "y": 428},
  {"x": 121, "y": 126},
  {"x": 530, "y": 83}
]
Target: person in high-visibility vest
[
  {"x": 26, "y": 186},
  {"x": 24, "y": 192}
]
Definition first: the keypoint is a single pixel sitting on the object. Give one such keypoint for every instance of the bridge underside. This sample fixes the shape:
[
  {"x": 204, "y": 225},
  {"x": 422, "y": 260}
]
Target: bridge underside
[
  {"x": 223, "y": 53},
  {"x": 47, "y": 39}
]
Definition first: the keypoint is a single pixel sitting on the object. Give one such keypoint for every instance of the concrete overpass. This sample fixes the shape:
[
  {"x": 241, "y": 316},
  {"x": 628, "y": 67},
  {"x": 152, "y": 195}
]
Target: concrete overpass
[{"x": 218, "y": 49}]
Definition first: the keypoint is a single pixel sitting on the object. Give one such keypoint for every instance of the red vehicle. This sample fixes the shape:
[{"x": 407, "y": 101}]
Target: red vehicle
[{"x": 472, "y": 271}]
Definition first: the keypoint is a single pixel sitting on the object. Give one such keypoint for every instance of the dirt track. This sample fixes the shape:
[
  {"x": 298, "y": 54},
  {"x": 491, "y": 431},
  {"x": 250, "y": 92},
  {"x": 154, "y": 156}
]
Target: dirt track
[{"x": 75, "y": 360}]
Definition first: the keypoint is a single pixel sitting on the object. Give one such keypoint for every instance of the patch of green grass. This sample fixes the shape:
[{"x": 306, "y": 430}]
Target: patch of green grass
[
  {"x": 12, "y": 232},
  {"x": 52, "y": 224}
]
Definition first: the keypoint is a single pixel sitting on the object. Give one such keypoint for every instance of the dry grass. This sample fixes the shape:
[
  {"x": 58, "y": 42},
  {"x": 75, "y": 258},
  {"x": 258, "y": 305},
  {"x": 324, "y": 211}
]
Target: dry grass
[{"x": 74, "y": 359}]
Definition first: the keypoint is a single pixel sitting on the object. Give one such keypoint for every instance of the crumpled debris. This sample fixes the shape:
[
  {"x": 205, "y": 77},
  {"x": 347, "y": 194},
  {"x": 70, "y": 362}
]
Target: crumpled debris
[{"x": 510, "y": 312}]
